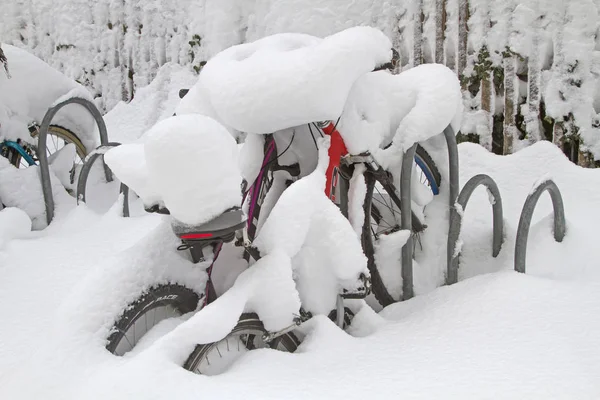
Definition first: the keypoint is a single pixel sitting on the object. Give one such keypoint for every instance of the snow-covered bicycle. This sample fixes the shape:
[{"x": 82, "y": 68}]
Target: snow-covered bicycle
[
  {"x": 242, "y": 224},
  {"x": 28, "y": 88}
]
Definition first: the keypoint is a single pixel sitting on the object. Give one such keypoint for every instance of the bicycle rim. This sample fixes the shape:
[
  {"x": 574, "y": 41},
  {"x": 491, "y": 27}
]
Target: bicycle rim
[
  {"x": 58, "y": 137},
  {"x": 382, "y": 218},
  {"x": 158, "y": 304},
  {"x": 216, "y": 358}
]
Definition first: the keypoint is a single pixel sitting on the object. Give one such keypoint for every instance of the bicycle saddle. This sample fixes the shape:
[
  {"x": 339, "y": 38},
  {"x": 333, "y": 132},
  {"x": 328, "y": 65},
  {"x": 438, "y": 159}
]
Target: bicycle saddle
[{"x": 222, "y": 227}]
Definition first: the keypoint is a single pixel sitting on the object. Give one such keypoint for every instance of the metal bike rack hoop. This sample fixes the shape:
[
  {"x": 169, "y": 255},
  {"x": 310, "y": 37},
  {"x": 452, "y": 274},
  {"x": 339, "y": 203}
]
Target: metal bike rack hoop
[
  {"x": 43, "y": 157},
  {"x": 406, "y": 222},
  {"x": 456, "y": 222},
  {"x": 406, "y": 200},
  {"x": 527, "y": 214},
  {"x": 85, "y": 172}
]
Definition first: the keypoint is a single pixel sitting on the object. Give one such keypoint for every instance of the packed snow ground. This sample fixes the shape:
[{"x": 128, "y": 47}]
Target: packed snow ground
[{"x": 495, "y": 335}]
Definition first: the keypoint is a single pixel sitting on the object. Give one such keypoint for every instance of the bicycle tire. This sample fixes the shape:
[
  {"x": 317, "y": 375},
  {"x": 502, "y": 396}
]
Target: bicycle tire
[
  {"x": 378, "y": 287},
  {"x": 70, "y": 137},
  {"x": 248, "y": 324},
  {"x": 180, "y": 298}
]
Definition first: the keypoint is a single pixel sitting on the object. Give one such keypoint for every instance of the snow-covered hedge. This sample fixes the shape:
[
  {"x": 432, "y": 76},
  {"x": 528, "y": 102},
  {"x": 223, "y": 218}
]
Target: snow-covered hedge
[{"x": 534, "y": 62}]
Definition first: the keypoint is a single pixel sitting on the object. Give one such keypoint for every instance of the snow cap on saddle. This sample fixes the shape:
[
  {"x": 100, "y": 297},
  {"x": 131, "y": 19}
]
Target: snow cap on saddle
[{"x": 187, "y": 164}]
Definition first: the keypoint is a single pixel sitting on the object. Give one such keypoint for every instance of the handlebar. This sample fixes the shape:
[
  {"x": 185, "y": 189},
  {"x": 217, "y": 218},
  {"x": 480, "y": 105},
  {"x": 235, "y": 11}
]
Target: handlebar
[
  {"x": 392, "y": 63},
  {"x": 183, "y": 92}
]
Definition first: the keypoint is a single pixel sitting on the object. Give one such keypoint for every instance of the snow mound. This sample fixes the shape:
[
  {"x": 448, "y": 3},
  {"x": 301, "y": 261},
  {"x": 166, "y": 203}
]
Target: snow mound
[
  {"x": 267, "y": 289},
  {"x": 187, "y": 163},
  {"x": 21, "y": 188},
  {"x": 128, "y": 163},
  {"x": 407, "y": 108},
  {"x": 32, "y": 88},
  {"x": 286, "y": 80},
  {"x": 14, "y": 223},
  {"x": 325, "y": 251}
]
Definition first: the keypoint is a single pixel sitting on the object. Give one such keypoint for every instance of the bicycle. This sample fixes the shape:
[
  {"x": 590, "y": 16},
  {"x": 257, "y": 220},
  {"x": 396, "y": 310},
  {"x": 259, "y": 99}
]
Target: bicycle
[
  {"x": 22, "y": 154},
  {"x": 205, "y": 242}
]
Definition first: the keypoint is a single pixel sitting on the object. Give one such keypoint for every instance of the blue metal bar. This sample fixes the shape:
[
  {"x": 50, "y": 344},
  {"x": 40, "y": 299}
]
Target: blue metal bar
[{"x": 16, "y": 146}]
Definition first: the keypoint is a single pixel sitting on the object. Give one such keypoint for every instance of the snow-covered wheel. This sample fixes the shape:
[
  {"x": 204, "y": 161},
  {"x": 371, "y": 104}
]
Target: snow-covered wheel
[
  {"x": 58, "y": 137},
  {"x": 247, "y": 335},
  {"x": 154, "y": 306},
  {"x": 382, "y": 217}
]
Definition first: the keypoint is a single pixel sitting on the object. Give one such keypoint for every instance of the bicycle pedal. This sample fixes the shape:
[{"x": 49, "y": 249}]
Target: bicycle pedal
[
  {"x": 360, "y": 292},
  {"x": 298, "y": 320}
]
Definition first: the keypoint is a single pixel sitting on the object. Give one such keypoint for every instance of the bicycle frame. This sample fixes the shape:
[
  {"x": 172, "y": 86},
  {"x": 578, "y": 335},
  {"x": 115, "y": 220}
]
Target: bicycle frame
[
  {"x": 336, "y": 187},
  {"x": 337, "y": 184},
  {"x": 19, "y": 149}
]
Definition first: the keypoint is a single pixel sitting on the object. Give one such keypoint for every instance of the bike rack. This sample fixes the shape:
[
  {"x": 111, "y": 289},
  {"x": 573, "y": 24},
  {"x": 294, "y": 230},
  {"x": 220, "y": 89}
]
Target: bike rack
[
  {"x": 43, "y": 158},
  {"x": 527, "y": 214},
  {"x": 85, "y": 172},
  {"x": 456, "y": 218},
  {"x": 406, "y": 201}
]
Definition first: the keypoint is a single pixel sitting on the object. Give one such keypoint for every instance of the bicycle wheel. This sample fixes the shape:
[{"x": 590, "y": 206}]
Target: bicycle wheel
[
  {"x": 58, "y": 137},
  {"x": 216, "y": 358},
  {"x": 382, "y": 217},
  {"x": 154, "y": 306}
]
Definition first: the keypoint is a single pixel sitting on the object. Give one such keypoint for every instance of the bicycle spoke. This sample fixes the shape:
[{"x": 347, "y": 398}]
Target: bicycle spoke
[
  {"x": 127, "y": 339},
  {"x": 134, "y": 336},
  {"x": 382, "y": 221},
  {"x": 384, "y": 203}
]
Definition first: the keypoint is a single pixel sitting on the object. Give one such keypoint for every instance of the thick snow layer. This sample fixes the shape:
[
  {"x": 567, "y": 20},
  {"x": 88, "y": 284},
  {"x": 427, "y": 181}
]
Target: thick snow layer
[
  {"x": 387, "y": 256},
  {"x": 255, "y": 290},
  {"x": 356, "y": 197},
  {"x": 407, "y": 108},
  {"x": 188, "y": 163},
  {"x": 128, "y": 163},
  {"x": 487, "y": 336},
  {"x": 14, "y": 223},
  {"x": 324, "y": 248},
  {"x": 22, "y": 188},
  {"x": 286, "y": 80},
  {"x": 32, "y": 88}
]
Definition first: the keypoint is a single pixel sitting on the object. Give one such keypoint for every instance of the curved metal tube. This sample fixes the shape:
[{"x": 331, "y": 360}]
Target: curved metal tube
[
  {"x": 527, "y": 214},
  {"x": 125, "y": 190},
  {"x": 43, "y": 157},
  {"x": 406, "y": 202},
  {"x": 454, "y": 188},
  {"x": 85, "y": 172},
  {"x": 453, "y": 164},
  {"x": 456, "y": 222},
  {"x": 406, "y": 222}
]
